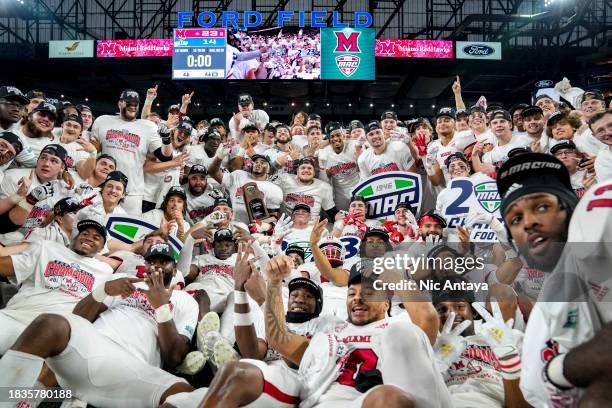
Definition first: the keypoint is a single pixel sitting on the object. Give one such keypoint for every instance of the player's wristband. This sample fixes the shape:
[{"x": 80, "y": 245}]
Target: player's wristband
[
  {"x": 25, "y": 205},
  {"x": 553, "y": 371},
  {"x": 99, "y": 294},
  {"x": 511, "y": 253},
  {"x": 92, "y": 155},
  {"x": 163, "y": 313},
  {"x": 243, "y": 319},
  {"x": 149, "y": 100},
  {"x": 240, "y": 298}
]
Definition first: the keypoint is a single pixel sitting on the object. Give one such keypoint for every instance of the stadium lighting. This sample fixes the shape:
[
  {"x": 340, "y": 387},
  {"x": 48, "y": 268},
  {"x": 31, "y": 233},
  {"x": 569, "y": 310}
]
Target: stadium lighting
[
  {"x": 548, "y": 2},
  {"x": 62, "y": 95},
  {"x": 292, "y": 103},
  {"x": 219, "y": 104},
  {"x": 433, "y": 106},
  {"x": 265, "y": 104},
  {"x": 393, "y": 105},
  {"x": 307, "y": 103},
  {"x": 157, "y": 104},
  {"x": 350, "y": 104},
  {"x": 371, "y": 105},
  {"x": 86, "y": 99},
  {"x": 411, "y": 105},
  {"x": 327, "y": 104}
]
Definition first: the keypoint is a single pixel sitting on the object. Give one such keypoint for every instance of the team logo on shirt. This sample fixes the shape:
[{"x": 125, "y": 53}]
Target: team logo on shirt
[
  {"x": 383, "y": 191},
  {"x": 68, "y": 278},
  {"x": 488, "y": 196}
]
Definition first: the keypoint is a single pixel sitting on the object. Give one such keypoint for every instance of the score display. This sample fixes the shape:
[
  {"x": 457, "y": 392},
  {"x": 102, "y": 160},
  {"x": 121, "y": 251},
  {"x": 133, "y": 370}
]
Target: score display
[{"x": 199, "y": 53}]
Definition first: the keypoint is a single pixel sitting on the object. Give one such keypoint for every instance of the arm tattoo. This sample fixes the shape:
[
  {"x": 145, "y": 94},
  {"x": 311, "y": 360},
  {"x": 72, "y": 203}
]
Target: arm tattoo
[{"x": 276, "y": 326}]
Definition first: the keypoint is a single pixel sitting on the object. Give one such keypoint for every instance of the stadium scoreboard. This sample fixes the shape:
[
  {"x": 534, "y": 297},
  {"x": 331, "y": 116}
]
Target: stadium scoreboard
[{"x": 199, "y": 53}]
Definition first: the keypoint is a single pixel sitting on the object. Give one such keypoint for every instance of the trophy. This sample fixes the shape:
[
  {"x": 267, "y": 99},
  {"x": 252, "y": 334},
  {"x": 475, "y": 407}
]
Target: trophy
[{"x": 254, "y": 203}]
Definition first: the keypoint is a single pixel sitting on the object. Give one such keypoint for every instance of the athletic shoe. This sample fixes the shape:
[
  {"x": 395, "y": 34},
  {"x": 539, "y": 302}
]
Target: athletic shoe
[
  {"x": 193, "y": 363},
  {"x": 209, "y": 322}
]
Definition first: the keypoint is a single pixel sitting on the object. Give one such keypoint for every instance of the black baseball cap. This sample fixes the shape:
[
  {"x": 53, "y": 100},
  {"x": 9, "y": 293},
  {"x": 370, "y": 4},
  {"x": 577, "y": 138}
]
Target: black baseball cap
[
  {"x": 454, "y": 157},
  {"x": 592, "y": 94},
  {"x": 73, "y": 118},
  {"x": 381, "y": 232},
  {"x": 555, "y": 117},
  {"x": 563, "y": 144},
  {"x": 210, "y": 131},
  {"x": 358, "y": 198},
  {"x": 67, "y": 205},
  {"x": 315, "y": 289},
  {"x": 356, "y": 124},
  {"x": 198, "y": 169},
  {"x": 307, "y": 160},
  {"x": 314, "y": 116},
  {"x": 462, "y": 112},
  {"x": 518, "y": 106},
  {"x": 301, "y": 206},
  {"x": 372, "y": 125},
  {"x": 388, "y": 115},
  {"x": 271, "y": 127},
  {"x": 295, "y": 249},
  {"x": 223, "y": 234},
  {"x": 10, "y": 93},
  {"x": 216, "y": 122},
  {"x": 494, "y": 106},
  {"x": 85, "y": 224},
  {"x": 185, "y": 124},
  {"x": 250, "y": 126},
  {"x": 413, "y": 124},
  {"x": 56, "y": 150},
  {"x": 355, "y": 275},
  {"x": 477, "y": 108},
  {"x": 176, "y": 191},
  {"x": 531, "y": 110},
  {"x": 447, "y": 112},
  {"x": 245, "y": 99},
  {"x": 501, "y": 114},
  {"x": 333, "y": 127},
  {"x": 46, "y": 107},
  {"x": 222, "y": 201},
  {"x": 129, "y": 95},
  {"x": 83, "y": 108},
  {"x": 159, "y": 250},
  {"x": 14, "y": 140},
  {"x": 450, "y": 294},
  {"x": 260, "y": 156},
  {"x": 174, "y": 108},
  {"x": 518, "y": 150},
  {"x": 533, "y": 172},
  {"x": 117, "y": 176},
  {"x": 403, "y": 204}
]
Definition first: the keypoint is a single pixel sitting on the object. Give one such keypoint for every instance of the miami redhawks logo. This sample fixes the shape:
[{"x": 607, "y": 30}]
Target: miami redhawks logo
[
  {"x": 346, "y": 43},
  {"x": 347, "y": 64}
]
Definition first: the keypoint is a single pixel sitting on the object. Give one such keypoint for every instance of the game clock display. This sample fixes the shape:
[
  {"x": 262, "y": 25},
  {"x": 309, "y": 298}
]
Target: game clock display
[{"x": 199, "y": 53}]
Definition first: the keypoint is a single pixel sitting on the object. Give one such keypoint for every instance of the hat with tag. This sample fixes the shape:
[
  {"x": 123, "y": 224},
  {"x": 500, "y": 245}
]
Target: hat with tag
[
  {"x": 159, "y": 250},
  {"x": 10, "y": 93},
  {"x": 245, "y": 99},
  {"x": 129, "y": 95},
  {"x": 446, "y": 112},
  {"x": 532, "y": 173}
]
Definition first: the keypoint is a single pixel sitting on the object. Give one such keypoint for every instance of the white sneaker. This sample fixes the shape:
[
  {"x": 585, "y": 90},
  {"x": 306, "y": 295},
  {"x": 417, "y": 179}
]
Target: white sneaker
[
  {"x": 209, "y": 322},
  {"x": 219, "y": 349},
  {"x": 193, "y": 363}
]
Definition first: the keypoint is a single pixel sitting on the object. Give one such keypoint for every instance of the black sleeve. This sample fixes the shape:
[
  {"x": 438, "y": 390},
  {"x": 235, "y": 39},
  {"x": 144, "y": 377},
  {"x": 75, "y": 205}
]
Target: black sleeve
[
  {"x": 331, "y": 214},
  {"x": 158, "y": 153},
  {"x": 6, "y": 225}
]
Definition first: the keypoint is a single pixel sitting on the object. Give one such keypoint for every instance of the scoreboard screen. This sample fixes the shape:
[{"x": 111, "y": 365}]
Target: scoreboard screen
[{"x": 199, "y": 53}]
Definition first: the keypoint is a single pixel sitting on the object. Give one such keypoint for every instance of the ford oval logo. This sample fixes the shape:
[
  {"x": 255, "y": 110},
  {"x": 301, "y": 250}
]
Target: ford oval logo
[
  {"x": 546, "y": 83},
  {"x": 479, "y": 50}
]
